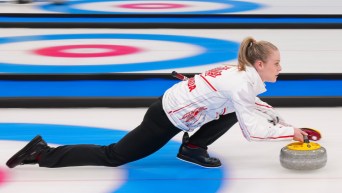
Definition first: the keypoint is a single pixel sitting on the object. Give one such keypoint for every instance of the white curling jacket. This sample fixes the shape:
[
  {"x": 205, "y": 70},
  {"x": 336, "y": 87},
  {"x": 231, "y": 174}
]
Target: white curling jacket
[{"x": 192, "y": 103}]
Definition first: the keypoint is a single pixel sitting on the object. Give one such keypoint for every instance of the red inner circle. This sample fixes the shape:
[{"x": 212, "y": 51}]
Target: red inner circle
[
  {"x": 2, "y": 176},
  {"x": 64, "y": 51}
]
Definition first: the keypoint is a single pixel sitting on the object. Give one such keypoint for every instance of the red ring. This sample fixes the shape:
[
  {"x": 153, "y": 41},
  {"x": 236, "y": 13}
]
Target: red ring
[
  {"x": 152, "y": 6},
  {"x": 2, "y": 176},
  {"x": 62, "y": 51}
]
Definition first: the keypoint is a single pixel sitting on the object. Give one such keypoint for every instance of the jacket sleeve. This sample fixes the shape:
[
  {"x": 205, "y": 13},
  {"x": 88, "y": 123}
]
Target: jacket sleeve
[{"x": 255, "y": 127}]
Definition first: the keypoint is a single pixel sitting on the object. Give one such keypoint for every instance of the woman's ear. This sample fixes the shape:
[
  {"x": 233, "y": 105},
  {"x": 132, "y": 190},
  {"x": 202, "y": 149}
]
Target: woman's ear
[{"x": 258, "y": 64}]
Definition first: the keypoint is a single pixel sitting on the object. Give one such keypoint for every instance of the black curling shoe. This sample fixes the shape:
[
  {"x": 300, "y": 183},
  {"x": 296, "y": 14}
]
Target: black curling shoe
[
  {"x": 198, "y": 156},
  {"x": 28, "y": 154}
]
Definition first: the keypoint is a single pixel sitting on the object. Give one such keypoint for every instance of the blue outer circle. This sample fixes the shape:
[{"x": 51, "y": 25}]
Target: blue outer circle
[
  {"x": 159, "y": 172},
  {"x": 210, "y": 55},
  {"x": 234, "y": 6}
]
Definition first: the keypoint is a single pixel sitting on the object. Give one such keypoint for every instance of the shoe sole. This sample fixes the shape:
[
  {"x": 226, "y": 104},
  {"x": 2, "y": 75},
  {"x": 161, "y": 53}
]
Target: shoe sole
[
  {"x": 192, "y": 161},
  {"x": 17, "y": 158}
]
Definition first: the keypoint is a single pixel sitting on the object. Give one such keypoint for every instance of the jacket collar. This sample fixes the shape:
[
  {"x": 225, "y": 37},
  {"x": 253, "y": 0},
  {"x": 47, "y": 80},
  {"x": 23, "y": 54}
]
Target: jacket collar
[{"x": 258, "y": 85}]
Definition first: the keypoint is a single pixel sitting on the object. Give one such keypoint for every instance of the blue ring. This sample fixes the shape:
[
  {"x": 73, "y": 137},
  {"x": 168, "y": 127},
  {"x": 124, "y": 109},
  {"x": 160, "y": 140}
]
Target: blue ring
[
  {"x": 235, "y": 6},
  {"x": 211, "y": 54},
  {"x": 168, "y": 167}
]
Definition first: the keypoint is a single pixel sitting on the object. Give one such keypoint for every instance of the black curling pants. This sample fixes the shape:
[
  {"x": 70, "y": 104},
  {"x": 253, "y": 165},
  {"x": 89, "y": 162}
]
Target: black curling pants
[
  {"x": 151, "y": 135},
  {"x": 213, "y": 130}
]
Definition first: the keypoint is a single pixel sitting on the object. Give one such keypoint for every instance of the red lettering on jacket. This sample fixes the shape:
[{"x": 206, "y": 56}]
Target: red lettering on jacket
[
  {"x": 216, "y": 71},
  {"x": 193, "y": 115},
  {"x": 191, "y": 84}
]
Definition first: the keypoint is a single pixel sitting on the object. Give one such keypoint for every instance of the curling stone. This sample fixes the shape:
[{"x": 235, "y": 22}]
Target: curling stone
[{"x": 303, "y": 156}]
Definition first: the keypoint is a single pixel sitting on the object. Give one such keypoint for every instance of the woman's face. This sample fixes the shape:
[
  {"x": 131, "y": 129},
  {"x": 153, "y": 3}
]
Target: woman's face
[{"x": 270, "y": 69}]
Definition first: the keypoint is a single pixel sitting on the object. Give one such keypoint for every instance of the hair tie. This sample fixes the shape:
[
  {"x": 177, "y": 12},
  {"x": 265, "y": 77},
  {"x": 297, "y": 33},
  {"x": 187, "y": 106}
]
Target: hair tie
[{"x": 250, "y": 44}]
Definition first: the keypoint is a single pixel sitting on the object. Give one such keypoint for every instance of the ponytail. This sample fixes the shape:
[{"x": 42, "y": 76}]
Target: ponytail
[{"x": 242, "y": 56}]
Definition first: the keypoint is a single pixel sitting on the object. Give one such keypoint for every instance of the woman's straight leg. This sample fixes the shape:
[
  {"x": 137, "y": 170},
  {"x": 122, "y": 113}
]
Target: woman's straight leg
[{"x": 152, "y": 134}]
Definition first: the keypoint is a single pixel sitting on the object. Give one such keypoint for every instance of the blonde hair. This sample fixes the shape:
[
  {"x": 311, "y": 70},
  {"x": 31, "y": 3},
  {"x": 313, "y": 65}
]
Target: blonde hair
[{"x": 251, "y": 50}]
